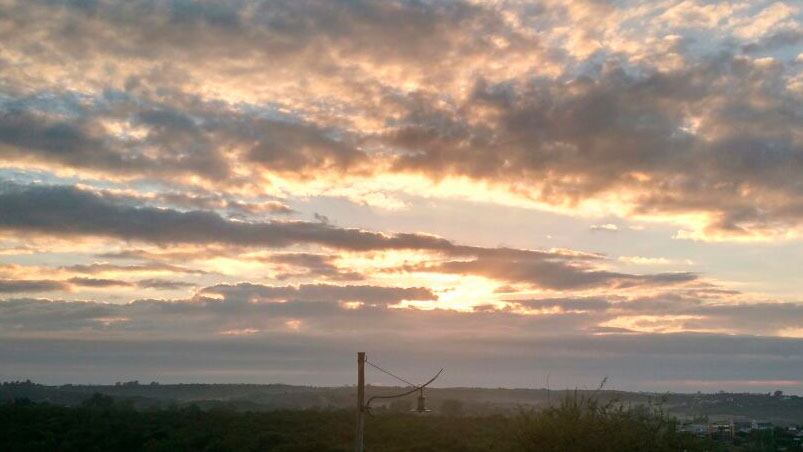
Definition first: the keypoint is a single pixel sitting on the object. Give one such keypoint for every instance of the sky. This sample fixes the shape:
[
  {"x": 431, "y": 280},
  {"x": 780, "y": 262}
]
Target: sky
[{"x": 518, "y": 191}]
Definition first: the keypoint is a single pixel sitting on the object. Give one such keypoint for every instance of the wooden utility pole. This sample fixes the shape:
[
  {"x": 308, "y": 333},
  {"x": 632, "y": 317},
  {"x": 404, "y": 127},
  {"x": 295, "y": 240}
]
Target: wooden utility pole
[
  {"x": 358, "y": 445},
  {"x": 364, "y": 407}
]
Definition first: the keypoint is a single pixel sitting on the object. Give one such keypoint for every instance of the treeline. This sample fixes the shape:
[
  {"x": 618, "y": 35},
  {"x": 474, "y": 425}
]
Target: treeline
[
  {"x": 102, "y": 423},
  {"x": 780, "y": 409}
]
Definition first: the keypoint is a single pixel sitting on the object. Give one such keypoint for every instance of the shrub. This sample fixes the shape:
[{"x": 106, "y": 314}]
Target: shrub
[{"x": 581, "y": 423}]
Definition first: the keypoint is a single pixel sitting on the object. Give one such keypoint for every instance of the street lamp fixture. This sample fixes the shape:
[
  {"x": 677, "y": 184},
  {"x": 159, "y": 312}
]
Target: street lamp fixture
[{"x": 365, "y": 407}]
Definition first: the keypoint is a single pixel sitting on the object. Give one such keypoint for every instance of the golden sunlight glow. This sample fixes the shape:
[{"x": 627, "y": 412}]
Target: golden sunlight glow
[
  {"x": 351, "y": 305},
  {"x": 293, "y": 325},
  {"x": 457, "y": 292},
  {"x": 234, "y": 267},
  {"x": 791, "y": 332},
  {"x": 655, "y": 323},
  {"x": 376, "y": 262}
]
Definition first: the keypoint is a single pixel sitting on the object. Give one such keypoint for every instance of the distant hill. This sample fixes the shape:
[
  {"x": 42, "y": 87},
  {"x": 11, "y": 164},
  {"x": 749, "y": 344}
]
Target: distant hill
[{"x": 777, "y": 408}]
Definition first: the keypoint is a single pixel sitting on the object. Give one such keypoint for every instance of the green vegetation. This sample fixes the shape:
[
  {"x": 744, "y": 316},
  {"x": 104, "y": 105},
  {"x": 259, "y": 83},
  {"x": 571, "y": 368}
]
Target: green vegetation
[
  {"x": 582, "y": 423},
  {"x": 103, "y": 424},
  {"x": 192, "y": 417},
  {"x": 780, "y": 409}
]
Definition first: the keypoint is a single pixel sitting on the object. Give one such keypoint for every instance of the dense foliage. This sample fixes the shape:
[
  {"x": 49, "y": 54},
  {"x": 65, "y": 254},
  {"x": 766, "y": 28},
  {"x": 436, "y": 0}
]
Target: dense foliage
[
  {"x": 102, "y": 423},
  {"x": 585, "y": 424}
]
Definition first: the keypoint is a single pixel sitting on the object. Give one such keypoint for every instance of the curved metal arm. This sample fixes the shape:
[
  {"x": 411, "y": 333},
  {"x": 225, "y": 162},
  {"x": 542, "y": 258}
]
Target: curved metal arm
[{"x": 416, "y": 388}]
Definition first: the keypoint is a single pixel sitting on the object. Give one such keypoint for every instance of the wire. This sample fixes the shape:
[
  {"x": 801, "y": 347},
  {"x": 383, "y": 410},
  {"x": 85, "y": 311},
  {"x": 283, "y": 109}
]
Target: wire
[
  {"x": 389, "y": 373},
  {"x": 415, "y": 388}
]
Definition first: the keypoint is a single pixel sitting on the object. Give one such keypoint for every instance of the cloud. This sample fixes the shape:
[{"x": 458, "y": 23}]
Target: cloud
[
  {"x": 642, "y": 260},
  {"x": 67, "y": 211},
  {"x": 553, "y": 272},
  {"x": 27, "y": 286},
  {"x": 697, "y": 314},
  {"x": 567, "y": 304},
  {"x": 629, "y": 135},
  {"x": 194, "y": 336},
  {"x": 312, "y": 265},
  {"x": 295, "y": 33},
  {"x": 154, "y": 124},
  {"x": 331, "y": 310},
  {"x": 98, "y": 283},
  {"x": 780, "y": 39},
  {"x": 607, "y": 227},
  {"x": 630, "y": 362},
  {"x": 632, "y": 113},
  {"x": 316, "y": 292},
  {"x": 102, "y": 267},
  {"x": 181, "y": 144},
  {"x": 206, "y": 201},
  {"x": 81, "y": 142},
  {"x": 163, "y": 284},
  {"x": 11, "y": 286},
  {"x": 213, "y": 309}
]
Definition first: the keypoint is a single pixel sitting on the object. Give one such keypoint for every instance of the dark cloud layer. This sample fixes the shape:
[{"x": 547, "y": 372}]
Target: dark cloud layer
[
  {"x": 316, "y": 265},
  {"x": 67, "y": 211},
  {"x": 649, "y": 362},
  {"x": 554, "y": 274},
  {"x": 13, "y": 286},
  {"x": 164, "y": 284},
  {"x": 98, "y": 282},
  {"x": 18, "y": 286},
  {"x": 189, "y": 141},
  {"x": 236, "y": 337},
  {"x": 102, "y": 267}
]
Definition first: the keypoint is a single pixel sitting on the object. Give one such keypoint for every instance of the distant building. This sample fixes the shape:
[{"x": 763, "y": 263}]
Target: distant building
[
  {"x": 742, "y": 426},
  {"x": 762, "y": 425},
  {"x": 696, "y": 429},
  {"x": 727, "y": 430},
  {"x": 721, "y": 431}
]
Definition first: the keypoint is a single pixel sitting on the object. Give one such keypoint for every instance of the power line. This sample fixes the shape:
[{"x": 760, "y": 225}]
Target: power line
[
  {"x": 364, "y": 407},
  {"x": 389, "y": 373}
]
